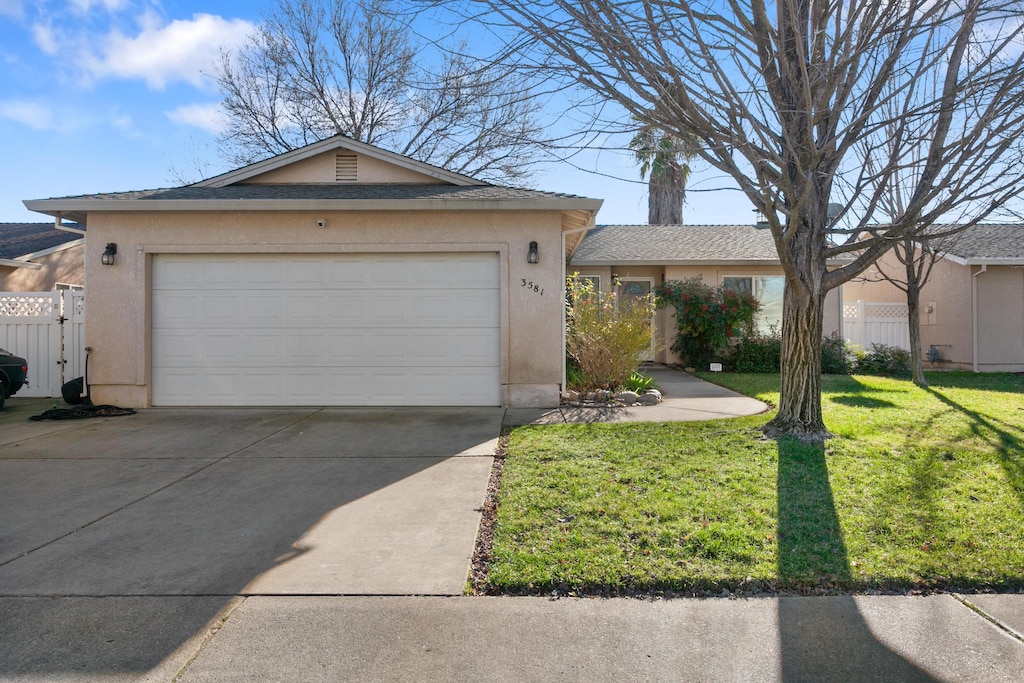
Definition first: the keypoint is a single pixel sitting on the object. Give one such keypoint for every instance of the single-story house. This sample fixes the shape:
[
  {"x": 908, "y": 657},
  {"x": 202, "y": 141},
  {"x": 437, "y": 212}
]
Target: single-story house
[
  {"x": 336, "y": 274},
  {"x": 38, "y": 257},
  {"x": 972, "y": 307},
  {"x": 639, "y": 257}
]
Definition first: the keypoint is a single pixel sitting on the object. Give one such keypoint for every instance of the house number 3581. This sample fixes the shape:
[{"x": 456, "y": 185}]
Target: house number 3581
[{"x": 532, "y": 286}]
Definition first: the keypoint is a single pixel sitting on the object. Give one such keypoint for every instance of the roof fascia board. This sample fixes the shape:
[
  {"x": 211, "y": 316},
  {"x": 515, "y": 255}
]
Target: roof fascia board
[
  {"x": 674, "y": 262},
  {"x": 993, "y": 261},
  {"x": 336, "y": 142},
  {"x": 55, "y": 206},
  {"x": 12, "y": 263},
  {"x": 52, "y": 250}
]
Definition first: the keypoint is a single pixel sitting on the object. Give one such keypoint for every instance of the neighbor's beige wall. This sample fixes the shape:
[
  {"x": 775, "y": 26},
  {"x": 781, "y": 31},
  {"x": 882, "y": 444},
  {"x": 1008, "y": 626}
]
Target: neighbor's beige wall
[
  {"x": 1000, "y": 297},
  {"x": 118, "y": 311},
  {"x": 946, "y": 306},
  {"x": 62, "y": 266},
  {"x": 322, "y": 169}
]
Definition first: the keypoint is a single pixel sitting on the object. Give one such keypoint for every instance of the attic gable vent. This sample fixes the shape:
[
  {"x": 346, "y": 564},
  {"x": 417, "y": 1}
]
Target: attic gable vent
[{"x": 345, "y": 168}]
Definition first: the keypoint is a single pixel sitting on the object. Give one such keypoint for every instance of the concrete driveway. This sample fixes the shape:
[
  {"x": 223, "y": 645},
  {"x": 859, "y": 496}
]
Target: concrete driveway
[{"x": 123, "y": 538}]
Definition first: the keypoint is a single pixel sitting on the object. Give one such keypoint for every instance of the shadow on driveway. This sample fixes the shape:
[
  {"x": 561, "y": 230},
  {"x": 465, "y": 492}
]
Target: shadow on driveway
[{"x": 123, "y": 538}]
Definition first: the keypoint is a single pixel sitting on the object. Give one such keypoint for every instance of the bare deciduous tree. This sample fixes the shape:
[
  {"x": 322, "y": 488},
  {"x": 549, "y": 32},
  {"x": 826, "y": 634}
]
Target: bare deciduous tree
[
  {"x": 317, "y": 68},
  {"x": 916, "y": 257},
  {"x": 790, "y": 99}
]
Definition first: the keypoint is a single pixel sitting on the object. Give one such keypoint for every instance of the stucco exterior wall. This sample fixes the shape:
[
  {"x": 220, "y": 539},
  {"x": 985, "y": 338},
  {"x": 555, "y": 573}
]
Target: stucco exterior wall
[
  {"x": 1000, "y": 297},
  {"x": 118, "y": 312},
  {"x": 63, "y": 266}
]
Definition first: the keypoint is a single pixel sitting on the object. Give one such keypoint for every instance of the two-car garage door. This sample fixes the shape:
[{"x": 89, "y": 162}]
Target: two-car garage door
[{"x": 319, "y": 329}]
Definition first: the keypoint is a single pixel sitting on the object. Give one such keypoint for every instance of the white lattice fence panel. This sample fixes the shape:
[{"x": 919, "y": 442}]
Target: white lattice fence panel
[
  {"x": 30, "y": 328},
  {"x": 34, "y": 305},
  {"x": 866, "y": 323}
]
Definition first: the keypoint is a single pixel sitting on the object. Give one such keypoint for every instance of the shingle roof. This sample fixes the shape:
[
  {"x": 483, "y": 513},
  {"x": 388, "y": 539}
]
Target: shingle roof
[
  {"x": 20, "y": 239},
  {"x": 660, "y": 244},
  {"x": 995, "y": 241},
  {"x": 329, "y": 191}
]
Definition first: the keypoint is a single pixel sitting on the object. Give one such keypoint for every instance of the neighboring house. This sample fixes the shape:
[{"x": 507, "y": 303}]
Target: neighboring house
[
  {"x": 972, "y": 307},
  {"x": 37, "y": 257},
  {"x": 336, "y": 274},
  {"x": 639, "y": 257}
]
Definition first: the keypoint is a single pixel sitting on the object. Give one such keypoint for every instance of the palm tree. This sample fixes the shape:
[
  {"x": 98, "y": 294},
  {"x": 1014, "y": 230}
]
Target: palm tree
[{"x": 663, "y": 160}]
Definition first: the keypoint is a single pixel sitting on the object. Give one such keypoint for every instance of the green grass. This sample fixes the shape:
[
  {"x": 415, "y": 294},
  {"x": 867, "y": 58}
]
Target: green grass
[{"x": 921, "y": 488}]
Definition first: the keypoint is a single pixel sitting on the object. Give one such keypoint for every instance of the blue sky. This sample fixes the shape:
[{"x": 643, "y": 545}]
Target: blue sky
[{"x": 113, "y": 95}]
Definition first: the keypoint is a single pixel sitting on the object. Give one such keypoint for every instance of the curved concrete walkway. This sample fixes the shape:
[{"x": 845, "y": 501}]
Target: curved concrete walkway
[{"x": 687, "y": 399}]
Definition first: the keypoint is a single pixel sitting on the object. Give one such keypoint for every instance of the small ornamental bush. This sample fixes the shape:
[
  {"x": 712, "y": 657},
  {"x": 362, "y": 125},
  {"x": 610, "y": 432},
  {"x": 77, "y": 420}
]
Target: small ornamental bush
[
  {"x": 887, "y": 361},
  {"x": 837, "y": 357},
  {"x": 756, "y": 352},
  {"x": 762, "y": 353},
  {"x": 706, "y": 317},
  {"x": 639, "y": 383},
  {"x": 607, "y": 338}
]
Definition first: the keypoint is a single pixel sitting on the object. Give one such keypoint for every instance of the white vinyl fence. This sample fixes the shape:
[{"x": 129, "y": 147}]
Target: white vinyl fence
[
  {"x": 46, "y": 329},
  {"x": 867, "y": 323}
]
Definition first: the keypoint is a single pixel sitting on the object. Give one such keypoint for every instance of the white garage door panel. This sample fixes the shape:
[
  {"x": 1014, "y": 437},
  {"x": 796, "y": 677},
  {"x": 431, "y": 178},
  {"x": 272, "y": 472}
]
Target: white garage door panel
[{"x": 391, "y": 329}]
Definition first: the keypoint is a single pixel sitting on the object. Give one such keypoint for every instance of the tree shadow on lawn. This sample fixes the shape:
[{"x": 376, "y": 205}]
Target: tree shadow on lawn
[
  {"x": 1006, "y": 438},
  {"x": 862, "y": 401},
  {"x": 822, "y": 638}
]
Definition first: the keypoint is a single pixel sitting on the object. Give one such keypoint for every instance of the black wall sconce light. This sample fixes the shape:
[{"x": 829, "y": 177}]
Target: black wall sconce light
[
  {"x": 532, "y": 256},
  {"x": 108, "y": 254}
]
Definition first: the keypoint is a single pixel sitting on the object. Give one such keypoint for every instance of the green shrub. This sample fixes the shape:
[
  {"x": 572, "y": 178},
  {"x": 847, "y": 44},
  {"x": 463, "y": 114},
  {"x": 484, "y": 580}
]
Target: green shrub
[
  {"x": 756, "y": 352},
  {"x": 762, "y": 352},
  {"x": 887, "y": 361},
  {"x": 573, "y": 374},
  {"x": 607, "y": 338},
  {"x": 639, "y": 383},
  {"x": 706, "y": 317},
  {"x": 837, "y": 356}
]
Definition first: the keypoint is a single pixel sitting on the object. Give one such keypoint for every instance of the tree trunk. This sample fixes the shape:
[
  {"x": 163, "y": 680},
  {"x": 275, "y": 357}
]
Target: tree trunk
[
  {"x": 800, "y": 384},
  {"x": 914, "y": 323},
  {"x": 666, "y": 191}
]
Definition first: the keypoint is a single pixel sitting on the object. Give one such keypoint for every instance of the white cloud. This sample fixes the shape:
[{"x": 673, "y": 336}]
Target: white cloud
[
  {"x": 45, "y": 38},
  {"x": 179, "y": 51},
  {"x": 109, "y": 5},
  {"x": 35, "y": 115},
  {"x": 208, "y": 117},
  {"x": 123, "y": 122},
  {"x": 11, "y": 8}
]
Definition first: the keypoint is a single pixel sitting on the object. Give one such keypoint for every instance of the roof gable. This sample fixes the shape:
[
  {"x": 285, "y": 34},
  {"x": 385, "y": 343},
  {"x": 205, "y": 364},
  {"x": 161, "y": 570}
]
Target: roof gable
[{"x": 320, "y": 163}]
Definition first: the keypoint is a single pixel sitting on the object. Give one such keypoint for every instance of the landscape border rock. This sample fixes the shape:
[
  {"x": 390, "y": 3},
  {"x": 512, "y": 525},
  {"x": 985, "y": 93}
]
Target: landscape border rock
[{"x": 605, "y": 399}]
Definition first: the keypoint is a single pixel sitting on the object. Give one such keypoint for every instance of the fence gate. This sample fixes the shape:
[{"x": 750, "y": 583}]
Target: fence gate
[
  {"x": 867, "y": 323},
  {"x": 46, "y": 329}
]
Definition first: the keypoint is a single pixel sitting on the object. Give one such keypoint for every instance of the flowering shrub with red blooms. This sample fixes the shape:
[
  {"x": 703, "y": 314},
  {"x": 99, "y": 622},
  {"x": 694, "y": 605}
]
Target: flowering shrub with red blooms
[{"x": 706, "y": 317}]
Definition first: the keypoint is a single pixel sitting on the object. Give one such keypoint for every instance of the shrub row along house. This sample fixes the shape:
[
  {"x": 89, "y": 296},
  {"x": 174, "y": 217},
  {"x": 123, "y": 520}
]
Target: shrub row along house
[{"x": 343, "y": 274}]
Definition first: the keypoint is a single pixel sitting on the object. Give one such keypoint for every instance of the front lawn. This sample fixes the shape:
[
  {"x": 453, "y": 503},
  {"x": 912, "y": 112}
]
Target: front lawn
[{"x": 920, "y": 489}]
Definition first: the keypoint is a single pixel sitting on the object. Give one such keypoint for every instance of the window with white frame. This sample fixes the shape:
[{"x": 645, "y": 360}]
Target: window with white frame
[{"x": 767, "y": 289}]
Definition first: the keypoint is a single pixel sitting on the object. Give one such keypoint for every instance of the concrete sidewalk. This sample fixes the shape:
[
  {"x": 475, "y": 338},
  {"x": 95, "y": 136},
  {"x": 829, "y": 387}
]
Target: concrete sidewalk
[
  {"x": 534, "y": 639},
  {"x": 687, "y": 399}
]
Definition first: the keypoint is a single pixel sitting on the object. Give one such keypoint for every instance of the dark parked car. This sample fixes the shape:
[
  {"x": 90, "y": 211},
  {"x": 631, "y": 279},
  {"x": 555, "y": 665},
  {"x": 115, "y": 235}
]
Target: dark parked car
[{"x": 12, "y": 375}]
